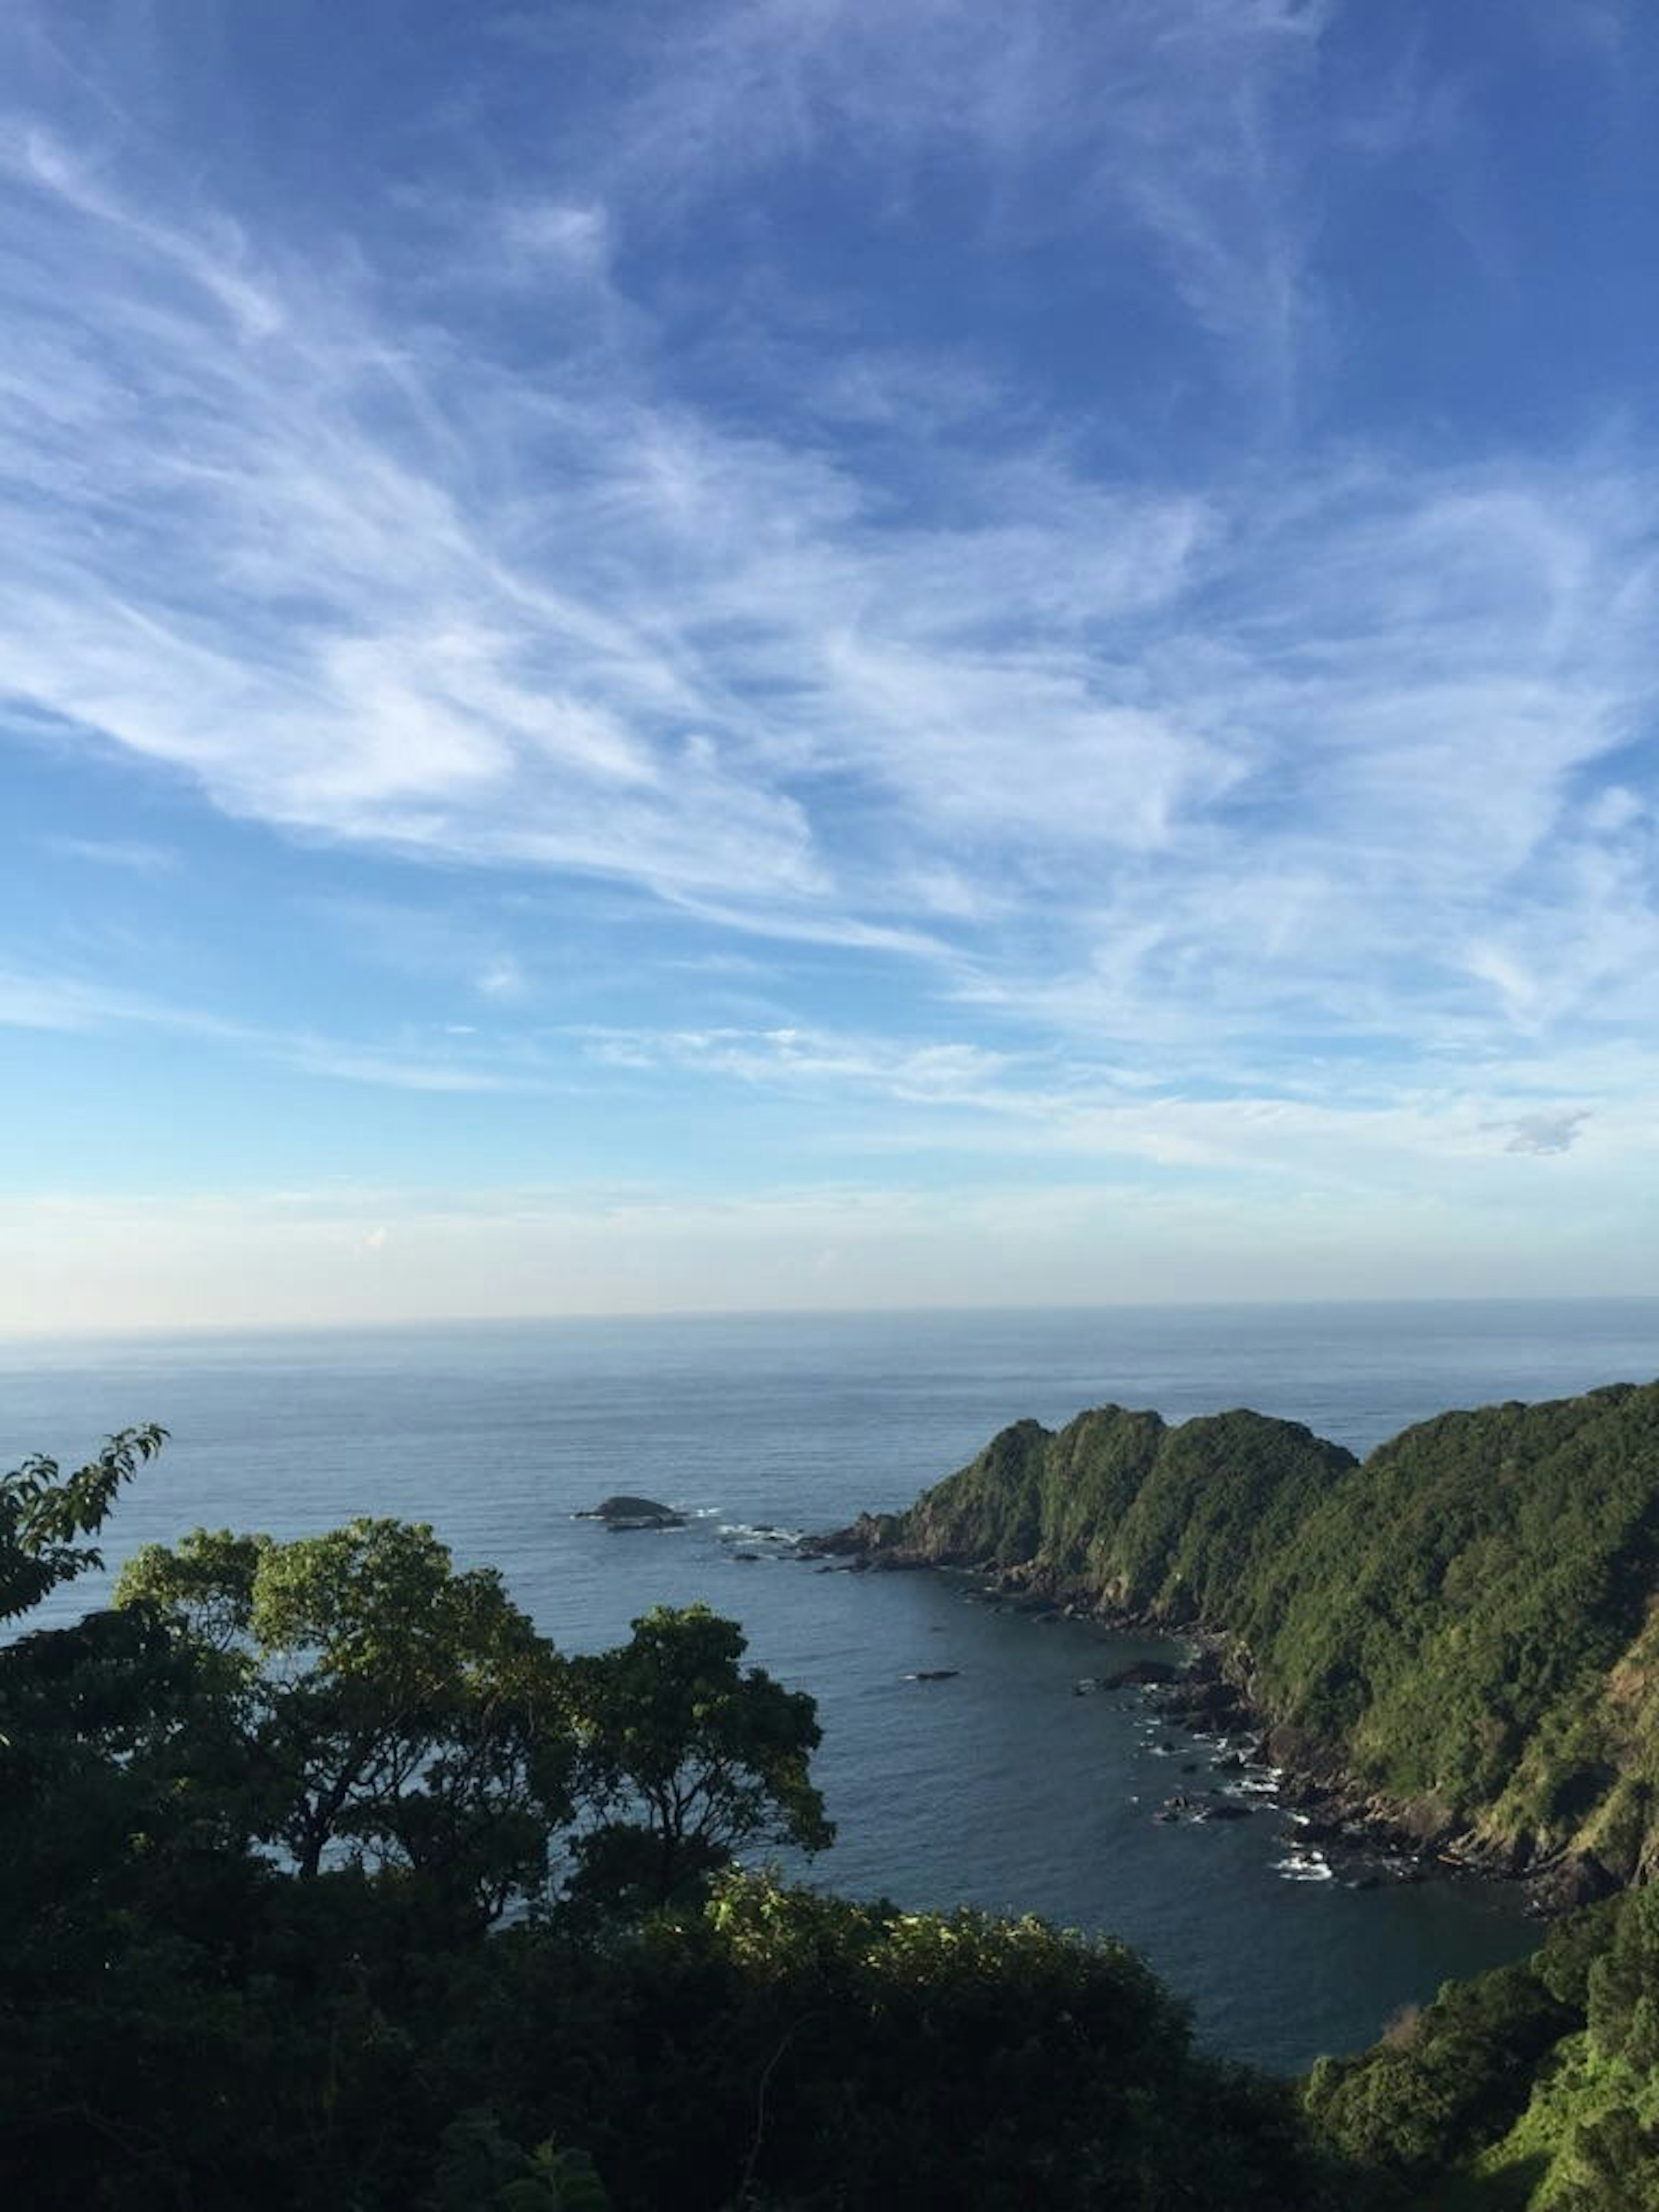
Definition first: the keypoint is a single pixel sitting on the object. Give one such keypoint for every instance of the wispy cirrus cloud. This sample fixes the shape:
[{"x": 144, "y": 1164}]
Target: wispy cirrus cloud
[
  {"x": 1436, "y": 1127},
  {"x": 789, "y": 1057},
  {"x": 1325, "y": 768},
  {"x": 1299, "y": 726},
  {"x": 1180, "y": 120},
  {"x": 137, "y": 856},
  {"x": 69, "y": 1004}
]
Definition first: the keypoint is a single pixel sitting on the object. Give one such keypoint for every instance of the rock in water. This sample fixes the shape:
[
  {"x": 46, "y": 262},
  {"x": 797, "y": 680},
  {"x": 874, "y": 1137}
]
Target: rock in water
[
  {"x": 625, "y": 1512},
  {"x": 1142, "y": 1671}
]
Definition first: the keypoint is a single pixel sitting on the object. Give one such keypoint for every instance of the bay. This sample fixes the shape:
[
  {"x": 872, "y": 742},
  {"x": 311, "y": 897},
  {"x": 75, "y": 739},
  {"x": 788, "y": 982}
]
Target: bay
[{"x": 997, "y": 1787}]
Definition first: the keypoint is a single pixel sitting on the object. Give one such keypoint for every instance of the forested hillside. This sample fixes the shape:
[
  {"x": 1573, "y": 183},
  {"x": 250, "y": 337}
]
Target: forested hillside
[
  {"x": 1531, "y": 2090},
  {"x": 1463, "y": 1623}
]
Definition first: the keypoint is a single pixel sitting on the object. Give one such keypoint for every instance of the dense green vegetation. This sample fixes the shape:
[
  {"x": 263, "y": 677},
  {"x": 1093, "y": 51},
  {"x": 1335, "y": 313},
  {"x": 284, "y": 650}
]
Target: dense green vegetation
[
  {"x": 1533, "y": 2089},
  {"x": 331, "y": 1886},
  {"x": 1462, "y": 1623}
]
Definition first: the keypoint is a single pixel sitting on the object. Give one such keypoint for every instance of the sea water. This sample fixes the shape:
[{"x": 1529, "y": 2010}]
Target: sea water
[{"x": 997, "y": 1786}]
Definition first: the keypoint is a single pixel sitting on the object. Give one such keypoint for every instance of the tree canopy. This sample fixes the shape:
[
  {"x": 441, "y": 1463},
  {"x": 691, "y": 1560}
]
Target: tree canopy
[
  {"x": 389, "y": 1711},
  {"x": 688, "y": 1758},
  {"x": 256, "y": 1821}
]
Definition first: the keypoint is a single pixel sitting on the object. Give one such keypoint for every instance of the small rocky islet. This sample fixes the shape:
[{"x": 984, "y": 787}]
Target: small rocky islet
[{"x": 624, "y": 1513}]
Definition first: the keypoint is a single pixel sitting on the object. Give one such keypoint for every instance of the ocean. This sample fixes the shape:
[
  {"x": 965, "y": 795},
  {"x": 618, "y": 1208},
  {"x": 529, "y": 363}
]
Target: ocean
[{"x": 997, "y": 1787}]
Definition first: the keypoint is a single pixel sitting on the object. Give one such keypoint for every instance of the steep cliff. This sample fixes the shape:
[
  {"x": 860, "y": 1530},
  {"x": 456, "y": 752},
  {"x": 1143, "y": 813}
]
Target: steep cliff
[{"x": 1463, "y": 1624}]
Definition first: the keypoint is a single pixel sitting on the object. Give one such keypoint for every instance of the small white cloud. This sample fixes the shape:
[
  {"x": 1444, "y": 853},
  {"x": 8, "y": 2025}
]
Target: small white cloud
[
  {"x": 575, "y": 234},
  {"x": 502, "y": 978}
]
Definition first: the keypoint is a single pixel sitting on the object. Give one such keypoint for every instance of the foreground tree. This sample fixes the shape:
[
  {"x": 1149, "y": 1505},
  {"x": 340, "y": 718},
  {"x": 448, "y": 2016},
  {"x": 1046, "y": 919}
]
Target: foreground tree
[
  {"x": 388, "y": 1711},
  {"x": 45, "y": 1514},
  {"x": 90, "y": 1800},
  {"x": 688, "y": 1758}
]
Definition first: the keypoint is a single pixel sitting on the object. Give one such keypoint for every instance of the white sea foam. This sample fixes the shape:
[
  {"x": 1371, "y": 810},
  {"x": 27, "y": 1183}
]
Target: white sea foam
[{"x": 1303, "y": 1866}]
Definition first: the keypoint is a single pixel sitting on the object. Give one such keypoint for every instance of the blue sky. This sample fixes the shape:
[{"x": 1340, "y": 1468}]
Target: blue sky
[{"x": 809, "y": 652}]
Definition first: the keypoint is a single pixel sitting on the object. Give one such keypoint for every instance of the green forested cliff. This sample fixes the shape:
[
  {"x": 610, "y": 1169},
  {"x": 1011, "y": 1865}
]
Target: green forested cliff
[{"x": 1461, "y": 1623}]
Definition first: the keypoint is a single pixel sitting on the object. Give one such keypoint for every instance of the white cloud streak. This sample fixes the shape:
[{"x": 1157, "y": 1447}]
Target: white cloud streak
[
  {"x": 1350, "y": 752},
  {"x": 71, "y": 1005},
  {"x": 1174, "y": 119},
  {"x": 132, "y": 855}
]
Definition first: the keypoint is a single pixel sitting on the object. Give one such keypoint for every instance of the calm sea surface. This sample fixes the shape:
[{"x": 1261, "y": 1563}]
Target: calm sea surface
[{"x": 998, "y": 1787}]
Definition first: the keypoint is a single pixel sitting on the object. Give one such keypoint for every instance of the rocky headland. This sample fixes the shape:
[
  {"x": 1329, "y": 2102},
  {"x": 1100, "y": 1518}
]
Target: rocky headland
[{"x": 1448, "y": 1653}]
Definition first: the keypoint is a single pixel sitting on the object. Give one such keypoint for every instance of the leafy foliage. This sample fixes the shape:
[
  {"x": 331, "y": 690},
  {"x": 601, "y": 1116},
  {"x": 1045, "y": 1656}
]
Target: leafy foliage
[
  {"x": 1456, "y": 2079},
  {"x": 687, "y": 1759},
  {"x": 481, "y": 2170},
  {"x": 44, "y": 1512},
  {"x": 387, "y": 1710},
  {"x": 1533, "y": 2086},
  {"x": 785, "y": 2049}
]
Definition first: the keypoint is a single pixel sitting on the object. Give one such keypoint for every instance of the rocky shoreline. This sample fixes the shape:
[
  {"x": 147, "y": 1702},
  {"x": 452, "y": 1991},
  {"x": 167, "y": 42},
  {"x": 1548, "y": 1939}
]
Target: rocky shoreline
[{"x": 1338, "y": 1822}]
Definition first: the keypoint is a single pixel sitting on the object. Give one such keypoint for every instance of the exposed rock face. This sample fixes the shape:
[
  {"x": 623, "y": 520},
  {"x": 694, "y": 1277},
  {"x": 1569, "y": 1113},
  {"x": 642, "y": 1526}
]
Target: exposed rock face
[
  {"x": 1454, "y": 1645},
  {"x": 870, "y": 1534},
  {"x": 1571, "y": 1881}
]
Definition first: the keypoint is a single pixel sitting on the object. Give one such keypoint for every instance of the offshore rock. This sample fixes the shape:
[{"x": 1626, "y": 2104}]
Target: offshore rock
[{"x": 625, "y": 1512}]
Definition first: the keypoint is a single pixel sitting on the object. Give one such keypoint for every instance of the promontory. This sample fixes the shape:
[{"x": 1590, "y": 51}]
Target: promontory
[{"x": 1459, "y": 1631}]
